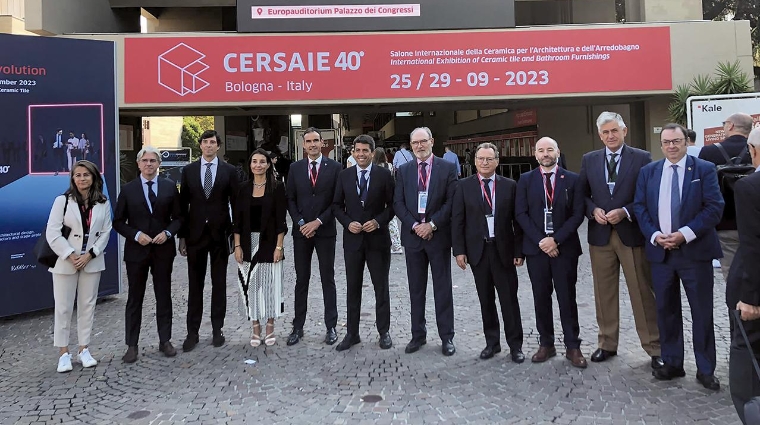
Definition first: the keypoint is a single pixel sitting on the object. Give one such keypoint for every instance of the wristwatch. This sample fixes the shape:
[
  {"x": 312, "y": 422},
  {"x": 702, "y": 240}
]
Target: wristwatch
[
  {"x": 433, "y": 226},
  {"x": 279, "y": 248}
]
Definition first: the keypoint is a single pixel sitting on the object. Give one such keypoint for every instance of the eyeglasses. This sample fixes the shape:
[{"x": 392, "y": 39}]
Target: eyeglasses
[
  {"x": 419, "y": 142},
  {"x": 148, "y": 161},
  {"x": 724, "y": 122},
  {"x": 673, "y": 142},
  {"x": 484, "y": 159}
]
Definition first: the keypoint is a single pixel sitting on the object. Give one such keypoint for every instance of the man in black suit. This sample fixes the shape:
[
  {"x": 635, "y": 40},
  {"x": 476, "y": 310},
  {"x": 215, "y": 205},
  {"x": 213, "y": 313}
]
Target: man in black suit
[
  {"x": 744, "y": 284},
  {"x": 485, "y": 234},
  {"x": 148, "y": 216},
  {"x": 311, "y": 188},
  {"x": 363, "y": 204},
  {"x": 549, "y": 209},
  {"x": 736, "y": 128},
  {"x": 608, "y": 177},
  {"x": 208, "y": 187},
  {"x": 59, "y": 151},
  {"x": 422, "y": 201}
]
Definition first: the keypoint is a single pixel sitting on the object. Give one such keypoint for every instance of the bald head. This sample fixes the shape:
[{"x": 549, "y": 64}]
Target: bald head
[
  {"x": 544, "y": 140},
  {"x": 754, "y": 146},
  {"x": 547, "y": 152},
  {"x": 741, "y": 124}
]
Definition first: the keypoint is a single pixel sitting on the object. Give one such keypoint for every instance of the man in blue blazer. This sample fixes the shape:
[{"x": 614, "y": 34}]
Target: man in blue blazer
[
  {"x": 422, "y": 201},
  {"x": 678, "y": 203},
  {"x": 608, "y": 177},
  {"x": 310, "y": 188},
  {"x": 549, "y": 208}
]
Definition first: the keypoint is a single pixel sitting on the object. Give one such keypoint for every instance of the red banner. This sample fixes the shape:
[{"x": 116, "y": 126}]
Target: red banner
[{"x": 252, "y": 68}]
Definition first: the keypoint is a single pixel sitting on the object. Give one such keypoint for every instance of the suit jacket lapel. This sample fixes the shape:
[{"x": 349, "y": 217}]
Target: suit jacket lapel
[
  {"x": 626, "y": 162},
  {"x": 656, "y": 181},
  {"x": 74, "y": 206},
  {"x": 687, "y": 177},
  {"x": 218, "y": 177}
]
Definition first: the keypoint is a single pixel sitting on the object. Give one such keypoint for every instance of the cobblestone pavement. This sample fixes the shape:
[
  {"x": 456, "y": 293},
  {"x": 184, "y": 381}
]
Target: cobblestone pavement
[{"x": 312, "y": 383}]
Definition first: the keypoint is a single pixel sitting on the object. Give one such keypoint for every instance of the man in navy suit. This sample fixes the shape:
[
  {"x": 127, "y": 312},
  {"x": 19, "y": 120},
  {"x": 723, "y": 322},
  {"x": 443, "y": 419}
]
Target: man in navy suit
[
  {"x": 549, "y": 208},
  {"x": 608, "y": 177},
  {"x": 486, "y": 235},
  {"x": 363, "y": 204},
  {"x": 148, "y": 215},
  {"x": 678, "y": 203},
  {"x": 424, "y": 192},
  {"x": 310, "y": 189}
]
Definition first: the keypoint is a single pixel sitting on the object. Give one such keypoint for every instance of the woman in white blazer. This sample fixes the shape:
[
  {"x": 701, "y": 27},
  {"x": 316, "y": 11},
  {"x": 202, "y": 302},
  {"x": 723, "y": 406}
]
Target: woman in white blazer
[{"x": 85, "y": 209}]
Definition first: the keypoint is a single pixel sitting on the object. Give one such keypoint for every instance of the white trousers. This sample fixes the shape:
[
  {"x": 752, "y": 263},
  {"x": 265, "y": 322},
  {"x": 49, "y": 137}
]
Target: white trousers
[{"x": 83, "y": 287}]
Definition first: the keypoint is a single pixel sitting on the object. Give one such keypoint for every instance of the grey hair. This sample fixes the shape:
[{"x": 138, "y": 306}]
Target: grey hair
[
  {"x": 754, "y": 137},
  {"x": 487, "y": 145},
  {"x": 606, "y": 117},
  {"x": 148, "y": 149},
  {"x": 427, "y": 130}
]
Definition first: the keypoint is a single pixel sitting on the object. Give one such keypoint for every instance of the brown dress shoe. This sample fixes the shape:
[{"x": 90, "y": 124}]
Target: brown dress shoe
[
  {"x": 543, "y": 354},
  {"x": 576, "y": 357},
  {"x": 131, "y": 355},
  {"x": 168, "y": 349}
]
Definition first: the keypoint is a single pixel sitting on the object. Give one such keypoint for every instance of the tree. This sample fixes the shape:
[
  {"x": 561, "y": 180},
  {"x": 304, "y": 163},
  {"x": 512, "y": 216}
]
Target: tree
[
  {"x": 205, "y": 122},
  {"x": 191, "y": 133}
]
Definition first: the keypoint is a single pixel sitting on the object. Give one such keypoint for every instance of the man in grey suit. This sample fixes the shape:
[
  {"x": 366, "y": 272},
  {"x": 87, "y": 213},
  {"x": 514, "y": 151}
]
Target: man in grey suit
[
  {"x": 608, "y": 177},
  {"x": 422, "y": 201}
]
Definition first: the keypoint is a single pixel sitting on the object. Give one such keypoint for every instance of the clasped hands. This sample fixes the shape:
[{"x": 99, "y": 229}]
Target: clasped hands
[
  {"x": 355, "y": 227},
  {"x": 79, "y": 261},
  {"x": 309, "y": 229},
  {"x": 749, "y": 312},
  {"x": 549, "y": 246},
  {"x": 424, "y": 230},
  {"x": 613, "y": 217},
  {"x": 671, "y": 241},
  {"x": 462, "y": 261},
  {"x": 144, "y": 239}
]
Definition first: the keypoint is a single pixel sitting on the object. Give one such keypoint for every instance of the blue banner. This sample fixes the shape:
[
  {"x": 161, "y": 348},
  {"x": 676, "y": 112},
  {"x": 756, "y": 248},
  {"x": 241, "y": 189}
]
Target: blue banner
[{"x": 58, "y": 103}]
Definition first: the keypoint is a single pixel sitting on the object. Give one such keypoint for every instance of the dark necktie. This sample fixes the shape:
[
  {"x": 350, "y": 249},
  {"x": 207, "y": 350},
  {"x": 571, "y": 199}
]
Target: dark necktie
[
  {"x": 207, "y": 181},
  {"x": 313, "y": 173},
  {"x": 151, "y": 195},
  {"x": 363, "y": 187},
  {"x": 422, "y": 182},
  {"x": 612, "y": 168},
  {"x": 675, "y": 201},
  {"x": 549, "y": 189},
  {"x": 488, "y": 202}
]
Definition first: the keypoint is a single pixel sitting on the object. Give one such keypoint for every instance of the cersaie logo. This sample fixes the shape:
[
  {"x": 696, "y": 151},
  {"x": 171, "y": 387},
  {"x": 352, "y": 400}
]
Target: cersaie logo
[
  {"x": 179, "y": 69},
  {"x": 710, "y": 108}
]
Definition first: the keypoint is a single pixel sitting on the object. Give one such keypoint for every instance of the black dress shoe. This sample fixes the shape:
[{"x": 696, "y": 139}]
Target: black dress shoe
[
  {"x": 331, "y": 336},
  {"x": 385, "y": 341},
  {"x": 668, "y": 372},
  {"x": 517, "y": 356},
  {"x": 657, "y": 362},
  {"x": 601, "y": 355},
  {"x": 708, "y": 381},
  {"x": 190, "y": 342},
  {"x": 489, "y": 352},
  {"x": 218, "y": 339},
  {"x": 168, "y": 349},
  {"x": 295, "y": 336},
  {"x": 414, "y": 345},
  {"x": 131, "y": 355},
  {"x": 447, "y": 348},
  {"x": 348, "y": 342}
]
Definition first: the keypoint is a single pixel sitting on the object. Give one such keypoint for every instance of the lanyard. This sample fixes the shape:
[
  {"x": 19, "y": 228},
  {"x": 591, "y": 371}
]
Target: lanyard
[
  {"x": 549, "y": 199},
  {"x": 89, "y": 216},
  {"x": 429, "y": 170},
  {"x": 493, "y": 191},
  {"x": 313, "y": 176}
]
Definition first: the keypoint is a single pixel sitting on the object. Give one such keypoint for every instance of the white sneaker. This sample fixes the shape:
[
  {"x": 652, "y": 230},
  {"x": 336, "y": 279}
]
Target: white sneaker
[
  {"x": 64, "y": 363},
  {"x": 86, "y": 358}
]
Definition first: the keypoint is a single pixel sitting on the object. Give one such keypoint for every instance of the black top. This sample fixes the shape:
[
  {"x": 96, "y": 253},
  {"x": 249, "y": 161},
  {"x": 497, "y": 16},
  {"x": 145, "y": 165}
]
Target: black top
[
  {"x": 85, "y": 213},
  {"x": 255, "y": 210}
]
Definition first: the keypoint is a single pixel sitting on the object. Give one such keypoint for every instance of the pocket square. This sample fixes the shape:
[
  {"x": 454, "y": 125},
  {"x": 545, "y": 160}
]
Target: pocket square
[{"x": 696, "y": 180}]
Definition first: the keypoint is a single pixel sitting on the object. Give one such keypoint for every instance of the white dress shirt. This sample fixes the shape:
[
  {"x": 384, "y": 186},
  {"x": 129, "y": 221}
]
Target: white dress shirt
[
  {"x": 359, "y": 176},
  {"x": 214, "y": 167},
  {"x": 492, "y": 188},
  {"x": 144, "y": 182},
  {"x": 308, "y": 165},
  {"x": 663, "y": 209}
]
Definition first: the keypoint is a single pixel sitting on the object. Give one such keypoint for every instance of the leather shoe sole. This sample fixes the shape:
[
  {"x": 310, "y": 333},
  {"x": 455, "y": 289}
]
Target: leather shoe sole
[
  {"x": 414, "y": 346},
  {"x": 601, "y": 355}
]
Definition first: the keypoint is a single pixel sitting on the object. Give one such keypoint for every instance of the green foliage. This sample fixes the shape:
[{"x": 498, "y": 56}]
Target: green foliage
[
  {"x": 205, "y": 122},
  {"x": 191, "y": 133},
  {"x": 127, "y": 167},
  {"x": 728, "y": 79}
]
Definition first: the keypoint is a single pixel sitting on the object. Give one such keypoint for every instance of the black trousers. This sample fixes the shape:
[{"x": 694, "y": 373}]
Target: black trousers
[
  {"x": 198, "y": 255},
  {"x": 302, "y": 252},
  {"x": 59, "y": 159},
  {"x": 137, "y": 276},
  {"x": 742, "y": 378},
  {"x": 379, "y": 265},
  {"x": 491, "y": 273},
  {"x": 417, "y": 262},
  {"x": 547, "y": 275}
]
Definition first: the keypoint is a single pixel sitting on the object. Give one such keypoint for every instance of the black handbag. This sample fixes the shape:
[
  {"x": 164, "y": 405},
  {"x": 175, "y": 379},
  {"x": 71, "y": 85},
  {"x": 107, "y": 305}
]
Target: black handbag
[
  {"x": 752, "y": 407},
  {"x": 42, "y": 251}
]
